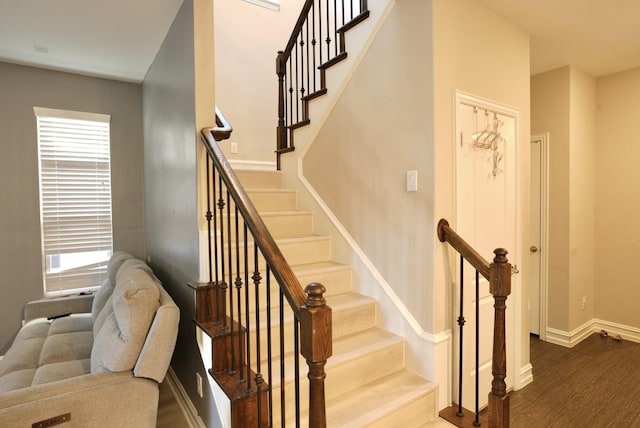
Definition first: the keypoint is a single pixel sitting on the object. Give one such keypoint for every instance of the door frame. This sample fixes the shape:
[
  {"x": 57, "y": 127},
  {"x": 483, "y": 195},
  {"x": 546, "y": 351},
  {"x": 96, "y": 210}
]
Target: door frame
[{"x": 543, "y": 140}]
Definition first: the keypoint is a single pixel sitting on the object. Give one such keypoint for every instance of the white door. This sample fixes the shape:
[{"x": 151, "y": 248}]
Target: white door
[
  {"x": 537, "y": 233},
  {"x": 486, "y": 161}
]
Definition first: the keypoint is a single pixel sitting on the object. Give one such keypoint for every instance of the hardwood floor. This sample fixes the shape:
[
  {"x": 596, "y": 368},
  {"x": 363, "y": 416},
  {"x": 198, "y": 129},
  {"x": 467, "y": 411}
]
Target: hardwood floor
[
  {"x": 595, "y": 384},
  {"x": 169, "y": 412}
]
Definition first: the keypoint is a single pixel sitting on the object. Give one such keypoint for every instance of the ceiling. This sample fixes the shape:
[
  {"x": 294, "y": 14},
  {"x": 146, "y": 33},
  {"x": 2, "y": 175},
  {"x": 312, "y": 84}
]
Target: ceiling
[
  {"x": 119, "y": 38},
  {"x": 598, "y": 37}
]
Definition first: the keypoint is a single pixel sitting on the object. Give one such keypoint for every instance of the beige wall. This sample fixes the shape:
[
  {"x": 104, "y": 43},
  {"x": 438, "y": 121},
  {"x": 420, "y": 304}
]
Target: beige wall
[
  {"x": 582, "y": 197},
  {"x": 21, "y": 89},
  {"x": 617, "y": 202},
  {"x": 248, "y": 39},
  {"x": 380, "y": 128},
  {"x": 550, "y": 112},
  {"x": 397, "y": 114},
  {"x": 564, "y": 105}
]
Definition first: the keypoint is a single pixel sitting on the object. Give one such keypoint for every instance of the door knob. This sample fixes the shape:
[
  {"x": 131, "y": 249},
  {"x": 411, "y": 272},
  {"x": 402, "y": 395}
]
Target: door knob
[{"x": 533, "y": 249}]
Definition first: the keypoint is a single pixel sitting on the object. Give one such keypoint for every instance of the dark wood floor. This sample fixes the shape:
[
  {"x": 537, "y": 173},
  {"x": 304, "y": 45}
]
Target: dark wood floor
[{"x": 595, "y": 384}]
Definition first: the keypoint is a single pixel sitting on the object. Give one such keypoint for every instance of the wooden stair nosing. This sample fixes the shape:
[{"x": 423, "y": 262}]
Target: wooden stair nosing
[{"x": 354, "y": 21}]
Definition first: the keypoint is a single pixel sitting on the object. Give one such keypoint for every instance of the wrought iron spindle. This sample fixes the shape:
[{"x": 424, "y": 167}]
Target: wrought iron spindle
[
  {"x": 223, "y": 284},
  {"x": 238, "y": 284},
  {"x": 296, "y": 361},
  {"x": 335, "y": 26},
  {"x": 461, "y": 325},
  {"x": 476, "y": 421},
  {"x": 290, "y": 92},
  {"x": 269, "y": 349},
  {"x": 256, "y": 277},
  {"x": 246, "y": 307},
  {"x": 320, "y": 28},
  {"x": 313, "y": 43},
  {"x": 232, "y": 368},
  {"x": 208, "y": 215},
  {"x": 328, "y": 39},
  {"x": 282, "y": 371},
  {"x": 309, "y": 91},
  {"x": 301, "y": 70}
]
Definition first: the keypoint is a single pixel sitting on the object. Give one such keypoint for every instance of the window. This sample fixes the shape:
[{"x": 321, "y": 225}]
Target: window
[{"x": 75, "y": 199}]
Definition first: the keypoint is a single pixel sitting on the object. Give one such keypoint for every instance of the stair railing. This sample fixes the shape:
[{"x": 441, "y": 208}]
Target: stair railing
[
  {"x": 254, "y": 344},
  {"x": 316, "y": 43},
  {"x": 498, "y": 274}
]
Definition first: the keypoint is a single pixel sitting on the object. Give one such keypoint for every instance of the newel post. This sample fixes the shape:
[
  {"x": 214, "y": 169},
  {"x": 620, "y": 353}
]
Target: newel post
[
  {"x": 316, "y": 348},
  {"x": 500, "y": 288},
  {"x": 281, "y": 130}
]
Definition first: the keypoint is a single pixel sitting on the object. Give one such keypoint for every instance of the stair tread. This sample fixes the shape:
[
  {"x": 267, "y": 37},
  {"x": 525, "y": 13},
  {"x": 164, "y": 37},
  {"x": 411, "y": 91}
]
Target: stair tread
[
  {"x": 345, "y": 349},
  {"x": 319, "y": 267},
  {"x": 377, "y": 398}
]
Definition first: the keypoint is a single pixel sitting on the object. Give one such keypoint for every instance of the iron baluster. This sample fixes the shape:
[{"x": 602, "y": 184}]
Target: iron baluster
[{"x": 461, "y": 325}]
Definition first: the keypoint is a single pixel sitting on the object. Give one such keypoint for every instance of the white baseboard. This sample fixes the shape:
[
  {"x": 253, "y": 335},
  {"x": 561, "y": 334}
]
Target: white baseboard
[
  {"x": 526, "y": 375},
  {"x": 569, "y": 339},
  {"x": 186, "y": 406},
  {"x": 626, "y": 332}
]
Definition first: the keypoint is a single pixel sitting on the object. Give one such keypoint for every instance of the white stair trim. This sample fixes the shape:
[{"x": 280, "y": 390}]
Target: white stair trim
[{"x": 399, "y": 318}]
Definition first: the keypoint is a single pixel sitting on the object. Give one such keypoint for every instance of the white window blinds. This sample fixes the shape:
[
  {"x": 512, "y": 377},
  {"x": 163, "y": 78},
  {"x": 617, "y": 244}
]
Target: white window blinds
[{"x": 75, "y": 199}]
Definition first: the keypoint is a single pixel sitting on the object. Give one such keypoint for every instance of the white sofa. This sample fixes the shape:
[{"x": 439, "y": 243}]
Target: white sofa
[{"x": 98, "y": 360}]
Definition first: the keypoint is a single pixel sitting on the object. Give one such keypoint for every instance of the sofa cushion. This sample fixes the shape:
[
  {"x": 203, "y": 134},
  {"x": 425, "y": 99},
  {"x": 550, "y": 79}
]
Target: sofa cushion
[
  {"x": 45, "y": 350},
  {"x": 134, "y": 301},
  {"x": 106, "y": 289},
  {"x": 61, "y": 370}
]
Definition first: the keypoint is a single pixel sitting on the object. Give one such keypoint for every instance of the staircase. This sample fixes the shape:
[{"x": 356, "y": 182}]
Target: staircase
[{"x": 366, "y": 383}]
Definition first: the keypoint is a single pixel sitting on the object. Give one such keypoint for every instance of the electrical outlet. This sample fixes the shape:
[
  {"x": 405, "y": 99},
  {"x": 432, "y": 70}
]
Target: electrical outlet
[
  {"x": 199, "y": 384},
  {"x": 234, "y": 147},
  {"x": 584, "y": 303}
]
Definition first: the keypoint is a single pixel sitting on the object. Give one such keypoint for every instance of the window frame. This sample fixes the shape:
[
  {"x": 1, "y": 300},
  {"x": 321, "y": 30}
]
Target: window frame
[{"x": 51, "y": 150}]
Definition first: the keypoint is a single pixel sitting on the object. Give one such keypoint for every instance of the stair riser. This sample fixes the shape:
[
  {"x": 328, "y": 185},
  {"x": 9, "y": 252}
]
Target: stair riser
[
  {"x": 345, "y": 377},
  {"x": 346, "y": 321},
  {"x": 259, "y": 179},
  {"x": 280, "y": 226},
  {"x": 413, "y": 414},
  {"x": 298, "y": 252},
  {"x": 336, "y": 282},
  {"x": 273, "y": 201}
]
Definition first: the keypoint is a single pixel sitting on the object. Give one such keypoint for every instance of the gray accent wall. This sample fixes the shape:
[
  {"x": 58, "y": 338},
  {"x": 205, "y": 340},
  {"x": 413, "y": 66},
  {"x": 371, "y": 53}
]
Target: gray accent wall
[
  {"x": 22, "y": 88},
  {"x": 170, "y": 147}
]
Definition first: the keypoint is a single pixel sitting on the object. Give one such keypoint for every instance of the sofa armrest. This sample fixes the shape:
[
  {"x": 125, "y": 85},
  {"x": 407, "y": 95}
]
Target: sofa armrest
[
  {"x": 50, "y": 307},
  {"x": 103, "y": 399}
]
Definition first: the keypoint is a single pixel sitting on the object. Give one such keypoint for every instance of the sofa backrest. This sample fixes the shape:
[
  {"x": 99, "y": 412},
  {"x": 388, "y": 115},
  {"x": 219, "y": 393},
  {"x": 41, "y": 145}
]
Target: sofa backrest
[
  {"x": 137, "y": 325},
  {"x": 107, "y": 286}
]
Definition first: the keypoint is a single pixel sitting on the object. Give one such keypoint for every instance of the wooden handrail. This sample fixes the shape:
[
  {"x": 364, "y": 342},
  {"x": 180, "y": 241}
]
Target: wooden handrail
[
  {"x": 296, "y": 30},
  {"x": 223, "y": 129},
  {"x": 308, "y": 306},
  {"x": 316, "y": 43},
  {"x": 280, "y": 268},
  {"x": 447, "y": 234},
  {"x": 499, "y": 275}
]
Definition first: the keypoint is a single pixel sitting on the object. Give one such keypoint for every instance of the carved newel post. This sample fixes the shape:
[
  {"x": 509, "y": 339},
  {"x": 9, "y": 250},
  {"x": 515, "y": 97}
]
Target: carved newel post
[
  {"x": 316, "y": 348},
  {"x": 500, "y": 288}
]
